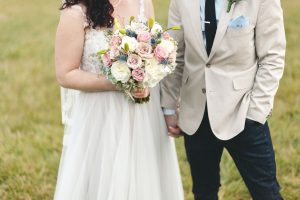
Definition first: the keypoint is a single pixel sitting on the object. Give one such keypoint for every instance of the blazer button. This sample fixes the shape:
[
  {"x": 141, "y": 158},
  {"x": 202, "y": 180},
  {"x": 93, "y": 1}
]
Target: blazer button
[
  {"x": 208, "y": 65},
  {"x": 203, "y": 90}
]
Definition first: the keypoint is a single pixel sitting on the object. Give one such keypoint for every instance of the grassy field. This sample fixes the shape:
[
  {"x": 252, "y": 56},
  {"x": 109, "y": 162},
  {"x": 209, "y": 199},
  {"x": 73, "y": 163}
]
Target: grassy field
[{"x": 30, "y": 129}]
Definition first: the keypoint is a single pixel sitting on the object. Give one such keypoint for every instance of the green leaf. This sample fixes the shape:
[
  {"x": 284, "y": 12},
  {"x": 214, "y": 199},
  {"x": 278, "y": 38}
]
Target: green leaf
[
  {"x": 117, "y": 24},
  {"x": 101, "y": 52},
  {"x": 126, "y": 47},
  {"x": 151, "y": 22},
  {"x": 230, "y": 3},
  {"x": 122, "y": 31},
  {"x": 132, "y": 19},
  {"x": 176, "y": 28}
]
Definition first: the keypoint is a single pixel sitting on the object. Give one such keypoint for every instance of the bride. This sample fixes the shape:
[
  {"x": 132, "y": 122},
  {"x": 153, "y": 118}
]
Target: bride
[{"x": 113, "y": 149}]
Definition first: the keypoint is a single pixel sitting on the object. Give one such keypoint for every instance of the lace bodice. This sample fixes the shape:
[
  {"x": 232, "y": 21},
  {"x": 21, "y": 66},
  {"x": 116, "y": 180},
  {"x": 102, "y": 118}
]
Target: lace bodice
[{"x": 95, "y": 40}]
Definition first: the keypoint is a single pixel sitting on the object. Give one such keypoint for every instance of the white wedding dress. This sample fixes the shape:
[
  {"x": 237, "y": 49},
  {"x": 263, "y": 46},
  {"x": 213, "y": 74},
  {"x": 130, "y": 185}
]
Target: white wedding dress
[{"x": 114, "y": 149}]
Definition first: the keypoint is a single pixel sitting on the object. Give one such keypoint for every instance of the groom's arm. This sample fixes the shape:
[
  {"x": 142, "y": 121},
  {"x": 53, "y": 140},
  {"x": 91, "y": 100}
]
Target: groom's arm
[
  {"x": 270, "y": 48},
  {"x": 170, "y": 86}
]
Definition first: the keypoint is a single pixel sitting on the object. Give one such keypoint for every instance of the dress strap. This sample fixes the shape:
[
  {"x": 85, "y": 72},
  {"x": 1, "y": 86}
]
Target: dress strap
[{"x": 80, "y": 10}]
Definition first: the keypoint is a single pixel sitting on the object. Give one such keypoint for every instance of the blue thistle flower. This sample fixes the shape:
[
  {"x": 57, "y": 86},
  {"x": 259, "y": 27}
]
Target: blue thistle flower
[
  {"x": 134, "y": 35},
  {"x": 153, "y": 41},
  {"x": 123, "y": 58},
  {"x": 131, "y": 34},
  {"x": 165, "y": 62}
]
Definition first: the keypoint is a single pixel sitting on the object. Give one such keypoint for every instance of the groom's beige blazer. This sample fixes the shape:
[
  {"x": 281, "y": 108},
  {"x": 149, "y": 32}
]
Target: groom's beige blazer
[{"x": 240, "y": 77}]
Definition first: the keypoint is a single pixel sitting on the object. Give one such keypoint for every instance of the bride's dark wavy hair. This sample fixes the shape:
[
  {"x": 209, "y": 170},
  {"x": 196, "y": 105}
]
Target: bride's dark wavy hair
[{"x": 98, "y": 12}]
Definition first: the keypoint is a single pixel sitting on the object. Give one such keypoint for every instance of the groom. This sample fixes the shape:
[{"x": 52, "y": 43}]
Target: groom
[{"x": 230, "y": 60}]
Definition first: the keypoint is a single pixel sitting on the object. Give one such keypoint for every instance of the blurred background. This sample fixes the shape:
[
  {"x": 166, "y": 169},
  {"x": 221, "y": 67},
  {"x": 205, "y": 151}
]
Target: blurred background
[{"x": 30, "y": 120}]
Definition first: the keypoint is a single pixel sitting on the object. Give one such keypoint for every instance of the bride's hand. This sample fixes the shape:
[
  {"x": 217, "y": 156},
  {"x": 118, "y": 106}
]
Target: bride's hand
[{"x": 140, "y": 92}]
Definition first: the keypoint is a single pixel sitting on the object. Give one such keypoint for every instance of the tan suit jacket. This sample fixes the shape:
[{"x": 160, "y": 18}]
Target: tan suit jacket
[{"x": 240, "y": 77}]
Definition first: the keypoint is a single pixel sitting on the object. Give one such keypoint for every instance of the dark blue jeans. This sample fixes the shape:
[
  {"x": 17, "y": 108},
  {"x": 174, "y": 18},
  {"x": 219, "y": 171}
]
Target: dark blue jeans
[{"x": 252, "y": 152}]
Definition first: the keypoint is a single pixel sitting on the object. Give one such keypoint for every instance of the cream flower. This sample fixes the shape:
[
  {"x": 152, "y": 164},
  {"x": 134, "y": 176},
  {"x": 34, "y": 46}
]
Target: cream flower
[
  {"x": 156, "y": 29},
  {"x": 169, "y": 45},
  {"x": 132, "y": 43},
  {"x": 120, "y": 71},
  {"x": 137, "y": 27},
  {"x": 154, "y": 73}
]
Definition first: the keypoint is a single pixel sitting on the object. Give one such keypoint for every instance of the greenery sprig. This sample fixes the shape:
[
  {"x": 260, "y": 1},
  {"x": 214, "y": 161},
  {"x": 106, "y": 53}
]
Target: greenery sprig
[{"x": 230, "y": 3}]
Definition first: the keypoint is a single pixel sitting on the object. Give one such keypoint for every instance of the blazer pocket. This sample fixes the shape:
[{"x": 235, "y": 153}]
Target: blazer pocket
[
  {"x": 243, "y": 83},
  {"x": 239, "y": 31}
]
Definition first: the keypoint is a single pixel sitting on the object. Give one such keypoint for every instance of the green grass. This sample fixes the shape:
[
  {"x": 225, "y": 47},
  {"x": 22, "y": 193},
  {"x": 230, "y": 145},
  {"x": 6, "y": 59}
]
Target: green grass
[{"x": 30, "y": 129}]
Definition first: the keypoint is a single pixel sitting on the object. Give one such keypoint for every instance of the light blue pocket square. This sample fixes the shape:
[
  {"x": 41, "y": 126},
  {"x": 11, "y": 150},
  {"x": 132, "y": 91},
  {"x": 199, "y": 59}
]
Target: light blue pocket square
[{"x": 239, "y": 22}]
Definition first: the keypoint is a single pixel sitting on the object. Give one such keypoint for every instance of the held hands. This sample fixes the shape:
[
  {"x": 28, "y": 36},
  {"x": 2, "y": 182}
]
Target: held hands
[{"x": 172, "y": 124}]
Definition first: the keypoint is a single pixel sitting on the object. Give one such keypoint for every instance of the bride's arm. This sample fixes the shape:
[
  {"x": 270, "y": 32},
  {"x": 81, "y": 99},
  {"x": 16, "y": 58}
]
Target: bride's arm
[{"x": 68, "y": 52}]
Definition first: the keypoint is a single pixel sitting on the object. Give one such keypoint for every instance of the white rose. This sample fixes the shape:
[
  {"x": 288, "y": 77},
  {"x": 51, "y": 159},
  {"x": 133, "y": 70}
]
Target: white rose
[
  {"x": 132, "y": 43},
  {"x": 154, "y": 73},
  {"x": 156, "y": 29},
  {"x": 137, "y": 27},
  {"x": 168, "y": 69},
  {"x": 120, "y": 71},
  {"x": 169, "y": 45}
]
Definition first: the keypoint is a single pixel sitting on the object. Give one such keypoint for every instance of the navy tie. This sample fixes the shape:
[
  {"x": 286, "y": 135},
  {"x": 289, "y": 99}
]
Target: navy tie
[{"x": 210, "y": 24}]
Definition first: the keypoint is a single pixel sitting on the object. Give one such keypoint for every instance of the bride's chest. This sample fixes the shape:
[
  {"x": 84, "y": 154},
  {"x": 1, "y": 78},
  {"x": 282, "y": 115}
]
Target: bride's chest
[{"x": 95, "y": 40}]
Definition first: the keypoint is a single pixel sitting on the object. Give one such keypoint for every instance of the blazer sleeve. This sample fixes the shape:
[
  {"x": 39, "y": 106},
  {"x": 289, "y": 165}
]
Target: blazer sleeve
[
  {"x": 170, "y": 86},
  {"x": 270, "y": 45}
]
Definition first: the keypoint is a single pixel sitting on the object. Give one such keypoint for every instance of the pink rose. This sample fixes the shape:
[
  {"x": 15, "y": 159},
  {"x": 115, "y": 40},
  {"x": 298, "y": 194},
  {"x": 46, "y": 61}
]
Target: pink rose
[
  {"x": 114, "y": 52},
  {"x": 138, "y": 74},
  {"x": 161, "y": 53},
  {"x": 115, "y": 41},
  {"x": 144, "y": 36},
  {"x": 144, "y": 50},
  {"x": 166, "y": 35},
  {"x": 106, "y": 60},
  {"x": 134, "y": 61}
]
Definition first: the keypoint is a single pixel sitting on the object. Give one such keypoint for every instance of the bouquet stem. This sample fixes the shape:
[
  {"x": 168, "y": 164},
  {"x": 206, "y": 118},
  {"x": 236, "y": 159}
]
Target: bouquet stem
[{"x": 129, "y": 95}]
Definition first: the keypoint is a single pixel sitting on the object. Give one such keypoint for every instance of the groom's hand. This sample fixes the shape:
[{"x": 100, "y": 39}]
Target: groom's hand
[{"x": 172, "y": 124}]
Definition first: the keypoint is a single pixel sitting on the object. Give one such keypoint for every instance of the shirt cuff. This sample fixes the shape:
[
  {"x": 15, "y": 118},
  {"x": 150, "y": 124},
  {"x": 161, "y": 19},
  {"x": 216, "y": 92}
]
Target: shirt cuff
[{"x": 168, "y": 111}]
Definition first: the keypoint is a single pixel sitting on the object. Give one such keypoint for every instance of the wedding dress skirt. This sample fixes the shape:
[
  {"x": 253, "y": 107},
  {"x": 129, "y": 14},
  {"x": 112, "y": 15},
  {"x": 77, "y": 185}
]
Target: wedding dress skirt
[
  {"x": 117, "y": 150},
  {"x": 114, "y": 149}
]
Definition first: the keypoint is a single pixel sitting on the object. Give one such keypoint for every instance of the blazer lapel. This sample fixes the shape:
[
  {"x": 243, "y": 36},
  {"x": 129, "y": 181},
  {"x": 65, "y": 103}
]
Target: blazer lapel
[
  {"x": 222, "y": 27},
  {"x": 196, "y": 24}
]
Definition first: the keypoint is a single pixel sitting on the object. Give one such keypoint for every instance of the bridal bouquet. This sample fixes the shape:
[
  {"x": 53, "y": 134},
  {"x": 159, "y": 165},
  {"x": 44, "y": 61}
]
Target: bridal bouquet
[{"x": 139, "y": 55}]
